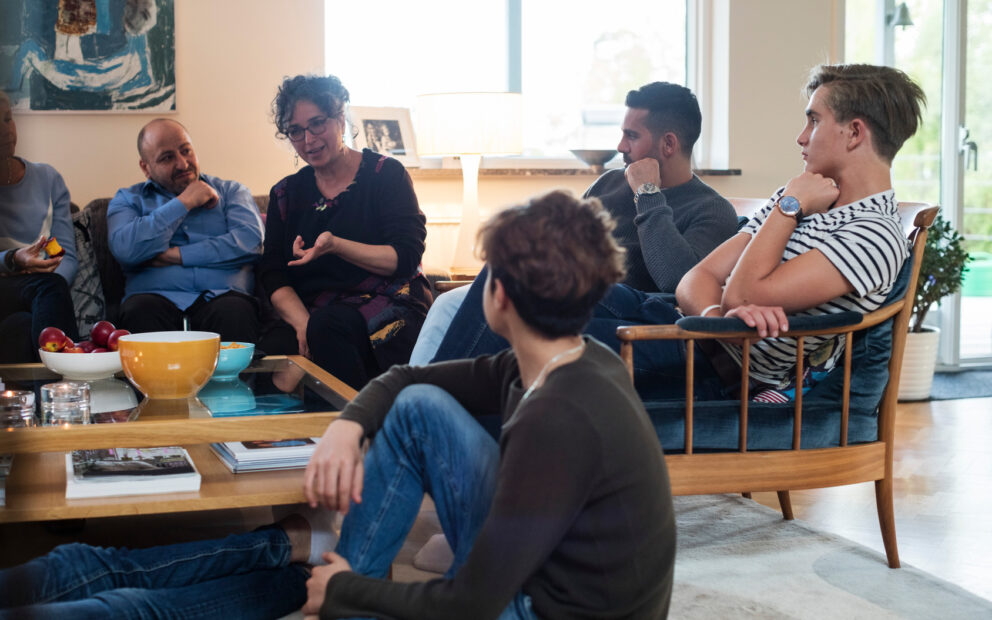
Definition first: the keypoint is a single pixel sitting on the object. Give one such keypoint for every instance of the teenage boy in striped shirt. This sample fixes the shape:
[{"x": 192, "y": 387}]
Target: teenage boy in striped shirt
[{"x": 829, "y": 241}]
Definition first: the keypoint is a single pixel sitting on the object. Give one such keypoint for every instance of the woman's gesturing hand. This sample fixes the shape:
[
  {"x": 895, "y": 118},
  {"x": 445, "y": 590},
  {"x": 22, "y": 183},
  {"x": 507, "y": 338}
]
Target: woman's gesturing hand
[
  {"x": 335, "y": 473},
  {"x": 323, "y": 245}
]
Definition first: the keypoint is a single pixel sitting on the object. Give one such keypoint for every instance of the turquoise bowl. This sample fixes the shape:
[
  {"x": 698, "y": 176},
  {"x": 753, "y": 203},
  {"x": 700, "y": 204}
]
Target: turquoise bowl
[{"x": 230, "y": 362}]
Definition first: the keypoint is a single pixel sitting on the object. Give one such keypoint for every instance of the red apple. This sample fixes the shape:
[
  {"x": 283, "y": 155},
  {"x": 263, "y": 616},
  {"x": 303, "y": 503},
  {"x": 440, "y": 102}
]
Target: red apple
[
  {"x": 87, "y": 346},
  {"x": 73, "y": 349},
  {"x": 114, "y": 335},
  {"x": 99, "y": 350},
  {"x": 53, "y": 339},
  {"x": 100, "y": 331}
]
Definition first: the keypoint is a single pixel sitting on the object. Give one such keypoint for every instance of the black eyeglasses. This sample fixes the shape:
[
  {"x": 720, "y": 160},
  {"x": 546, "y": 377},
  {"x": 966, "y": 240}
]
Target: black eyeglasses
[{"x": 316, "y": 127}]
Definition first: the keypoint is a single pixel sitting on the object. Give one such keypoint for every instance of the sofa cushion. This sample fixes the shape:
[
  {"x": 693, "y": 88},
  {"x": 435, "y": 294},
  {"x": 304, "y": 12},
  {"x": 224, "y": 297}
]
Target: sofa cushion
[{"x": 87, "y": 291}]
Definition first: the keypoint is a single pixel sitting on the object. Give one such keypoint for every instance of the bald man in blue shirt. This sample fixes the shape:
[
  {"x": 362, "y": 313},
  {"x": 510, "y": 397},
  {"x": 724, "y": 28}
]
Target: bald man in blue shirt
[{"x": 186, "y": 241}]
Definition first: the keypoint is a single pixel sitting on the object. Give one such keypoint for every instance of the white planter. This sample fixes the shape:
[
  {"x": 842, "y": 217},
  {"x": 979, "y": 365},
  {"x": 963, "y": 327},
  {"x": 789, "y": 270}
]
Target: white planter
[{"x": 918, "y": 363}]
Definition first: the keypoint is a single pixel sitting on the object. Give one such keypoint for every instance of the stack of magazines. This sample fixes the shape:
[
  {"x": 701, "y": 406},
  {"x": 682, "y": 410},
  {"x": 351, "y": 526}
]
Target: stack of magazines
[
  {"x": 241, "y": 456},
  {"x": 129, "y": 471}
]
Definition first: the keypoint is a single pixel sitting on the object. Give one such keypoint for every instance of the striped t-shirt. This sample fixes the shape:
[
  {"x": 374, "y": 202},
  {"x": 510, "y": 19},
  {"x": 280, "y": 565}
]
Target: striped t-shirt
[{"x": 865, "y": 242}]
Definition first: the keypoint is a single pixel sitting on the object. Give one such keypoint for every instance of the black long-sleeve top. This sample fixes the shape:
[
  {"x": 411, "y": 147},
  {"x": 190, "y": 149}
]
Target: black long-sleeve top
[
  {"x": 378, "y": 208},
  {"x": 582, "y": 516}
]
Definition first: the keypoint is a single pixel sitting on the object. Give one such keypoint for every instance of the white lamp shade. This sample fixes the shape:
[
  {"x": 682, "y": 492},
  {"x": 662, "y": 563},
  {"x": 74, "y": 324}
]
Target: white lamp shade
[{"x": 469, "y": 123}]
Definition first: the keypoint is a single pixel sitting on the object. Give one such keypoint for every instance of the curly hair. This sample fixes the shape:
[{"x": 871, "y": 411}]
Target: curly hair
[
  {"x": 887, "y": 99},
  {"x": 556, "y": 257},
  {"x": 327, "y": 93}
]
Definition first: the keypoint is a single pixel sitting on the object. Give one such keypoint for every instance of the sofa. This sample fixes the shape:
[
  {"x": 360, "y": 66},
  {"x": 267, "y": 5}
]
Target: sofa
[{"x": 99, "y": 286}]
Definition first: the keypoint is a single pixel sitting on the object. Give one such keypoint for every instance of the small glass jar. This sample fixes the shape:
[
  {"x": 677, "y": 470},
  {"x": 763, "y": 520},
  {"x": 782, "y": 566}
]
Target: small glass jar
[
  {"x": 66, "y": 402},
  {"x": 16, "y": 408}
]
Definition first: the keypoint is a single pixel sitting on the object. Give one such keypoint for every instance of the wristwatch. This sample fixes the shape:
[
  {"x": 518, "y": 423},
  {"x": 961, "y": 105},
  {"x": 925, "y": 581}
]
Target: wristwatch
[
  {"x": 646, "y": 188},
  {"x": 789, "y": 205}
]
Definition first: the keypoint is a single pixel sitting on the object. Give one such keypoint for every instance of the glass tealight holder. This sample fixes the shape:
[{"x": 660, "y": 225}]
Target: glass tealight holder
[
  {"x": 66, "y": 402},
  {"x": 16, "y": 408}
]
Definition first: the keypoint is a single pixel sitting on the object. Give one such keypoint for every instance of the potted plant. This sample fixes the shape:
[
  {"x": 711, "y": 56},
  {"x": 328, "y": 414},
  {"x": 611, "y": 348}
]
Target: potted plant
[{"x": 941, "y": 274}]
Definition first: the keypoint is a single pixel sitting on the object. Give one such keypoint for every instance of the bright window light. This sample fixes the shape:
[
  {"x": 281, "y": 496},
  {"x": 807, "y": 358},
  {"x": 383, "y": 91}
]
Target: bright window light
[{"x": 579, "y": 58}]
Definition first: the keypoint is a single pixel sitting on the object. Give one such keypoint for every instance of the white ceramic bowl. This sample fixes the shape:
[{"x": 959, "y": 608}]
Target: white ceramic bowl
[{"x": 82, "y": 366}]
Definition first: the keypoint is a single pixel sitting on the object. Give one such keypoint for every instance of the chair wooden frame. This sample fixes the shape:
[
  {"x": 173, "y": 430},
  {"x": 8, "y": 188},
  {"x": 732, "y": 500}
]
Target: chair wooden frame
[{"x": 783, "y": 470}]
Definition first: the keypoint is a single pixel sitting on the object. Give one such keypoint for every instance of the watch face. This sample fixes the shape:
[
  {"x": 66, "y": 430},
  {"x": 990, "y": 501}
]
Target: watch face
[{"x": 789, "y": 205}]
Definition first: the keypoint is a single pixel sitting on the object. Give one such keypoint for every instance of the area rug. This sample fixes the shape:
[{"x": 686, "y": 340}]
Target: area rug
[
  {"x": 967, "y": 384},
  {"x": 739, "y": 559}
]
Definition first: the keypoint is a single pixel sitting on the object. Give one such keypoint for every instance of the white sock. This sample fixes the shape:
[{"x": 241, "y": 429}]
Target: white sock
[
  {"x": 323, "y": 528},
  {"x": 323, "y": 534}
]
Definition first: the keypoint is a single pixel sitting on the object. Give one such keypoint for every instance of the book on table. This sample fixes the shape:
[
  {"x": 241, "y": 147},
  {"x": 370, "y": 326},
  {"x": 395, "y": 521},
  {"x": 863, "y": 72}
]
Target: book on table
[
  {"x": 242, "y": 456},
  {"x": 129, "y": 471}
]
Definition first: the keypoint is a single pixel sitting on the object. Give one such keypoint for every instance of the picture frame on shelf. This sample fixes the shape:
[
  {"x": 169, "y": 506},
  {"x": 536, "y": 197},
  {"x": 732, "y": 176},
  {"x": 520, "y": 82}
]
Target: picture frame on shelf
[{"x": 385, "y": 130}]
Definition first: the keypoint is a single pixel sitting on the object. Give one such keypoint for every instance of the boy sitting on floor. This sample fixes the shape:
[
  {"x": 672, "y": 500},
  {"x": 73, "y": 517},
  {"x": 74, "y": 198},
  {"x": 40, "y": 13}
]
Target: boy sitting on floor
[{"x": 569, "y": 514}]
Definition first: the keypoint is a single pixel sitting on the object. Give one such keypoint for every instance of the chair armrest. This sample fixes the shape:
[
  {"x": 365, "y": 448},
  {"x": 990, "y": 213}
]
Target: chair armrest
[{"x": 797, "y": 323}]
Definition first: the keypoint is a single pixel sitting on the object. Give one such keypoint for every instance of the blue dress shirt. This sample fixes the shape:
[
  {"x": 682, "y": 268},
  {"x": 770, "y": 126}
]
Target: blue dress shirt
[{"x": 218, "y": 245}]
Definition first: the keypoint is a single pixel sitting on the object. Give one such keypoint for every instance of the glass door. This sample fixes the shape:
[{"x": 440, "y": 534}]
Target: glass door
[
  {"x": 974, "y": 174},
  {"x": 946, "y": 46}
]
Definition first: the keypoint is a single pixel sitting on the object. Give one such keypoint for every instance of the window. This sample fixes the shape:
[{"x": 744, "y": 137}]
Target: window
[{"x": 578, "y": 58}]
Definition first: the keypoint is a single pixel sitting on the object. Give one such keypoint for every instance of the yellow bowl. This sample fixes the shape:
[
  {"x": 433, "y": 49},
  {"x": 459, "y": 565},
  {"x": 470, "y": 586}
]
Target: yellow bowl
[{"x": 169, "y": 364}]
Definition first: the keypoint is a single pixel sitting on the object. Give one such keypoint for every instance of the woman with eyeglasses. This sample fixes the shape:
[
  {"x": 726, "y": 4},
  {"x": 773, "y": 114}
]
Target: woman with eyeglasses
[
  {"x": 34, "y": 275},
  {"x": 343, "y": 241}
]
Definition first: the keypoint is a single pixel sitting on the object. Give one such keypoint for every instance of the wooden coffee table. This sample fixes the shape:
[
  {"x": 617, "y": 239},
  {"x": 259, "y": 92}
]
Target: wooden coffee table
[{"x": 36, "y": 485}]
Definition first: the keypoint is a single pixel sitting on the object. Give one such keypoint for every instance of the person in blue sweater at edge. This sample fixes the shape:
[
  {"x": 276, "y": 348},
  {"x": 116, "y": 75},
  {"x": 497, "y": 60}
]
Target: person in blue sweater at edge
[
  {"x": 34, "y": 287},
  {"x": 186, "y": 242},
  {"x": 667, "y": 220},
  {"x": 568, "y": 514}
]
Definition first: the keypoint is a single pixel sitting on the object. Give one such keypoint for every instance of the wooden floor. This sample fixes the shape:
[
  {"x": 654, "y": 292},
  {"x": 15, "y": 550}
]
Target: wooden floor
[
  {"x": 943, "y": 503},
  {"x": 943, "y": 494}
]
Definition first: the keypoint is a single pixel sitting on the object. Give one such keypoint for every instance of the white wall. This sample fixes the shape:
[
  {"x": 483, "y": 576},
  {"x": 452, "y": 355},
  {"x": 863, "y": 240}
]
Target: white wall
[{"x": 230, "y": 57}]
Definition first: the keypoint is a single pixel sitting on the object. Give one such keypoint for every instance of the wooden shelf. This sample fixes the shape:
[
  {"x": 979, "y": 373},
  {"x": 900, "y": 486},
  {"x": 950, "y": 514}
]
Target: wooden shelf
[
  {"x": 164, "y": 432},
  {"x": 456, "y": 173},
  {"x": 36, "y": 490}
]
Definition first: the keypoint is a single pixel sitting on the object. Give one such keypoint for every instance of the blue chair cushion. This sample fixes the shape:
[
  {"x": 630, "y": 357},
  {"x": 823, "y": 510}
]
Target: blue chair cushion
[{"x": 716, "y": 422}]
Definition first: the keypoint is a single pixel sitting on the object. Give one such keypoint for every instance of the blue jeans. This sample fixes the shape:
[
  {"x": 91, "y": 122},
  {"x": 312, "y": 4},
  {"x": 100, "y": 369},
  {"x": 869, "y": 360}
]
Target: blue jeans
[
  {"x": 241, "y": 576},
  {"x": 42, "y": 299},
  {"x": 428, "y": 444},
  {"x": 442, "y": 312},
  {"x": 659, "y": 365}
]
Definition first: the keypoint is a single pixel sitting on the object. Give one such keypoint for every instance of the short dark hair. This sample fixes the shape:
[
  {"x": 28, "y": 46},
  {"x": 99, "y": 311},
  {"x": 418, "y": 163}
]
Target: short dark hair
[
  {"x": 887, "y": 99},
  {"x": 141, "y": 133},
  {"x": 671, "y": 107},
  {"x": 326, "y": 92},
  {"x": 556, "y": 257}
]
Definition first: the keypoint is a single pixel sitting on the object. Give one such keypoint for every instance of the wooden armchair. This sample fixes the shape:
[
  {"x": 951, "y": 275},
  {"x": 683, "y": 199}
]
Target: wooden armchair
[{"x": 840, "y": 434}]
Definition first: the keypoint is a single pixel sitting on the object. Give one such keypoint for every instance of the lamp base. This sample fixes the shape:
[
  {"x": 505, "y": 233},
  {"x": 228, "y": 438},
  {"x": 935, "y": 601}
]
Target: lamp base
[{"x": 465, "y": 258}]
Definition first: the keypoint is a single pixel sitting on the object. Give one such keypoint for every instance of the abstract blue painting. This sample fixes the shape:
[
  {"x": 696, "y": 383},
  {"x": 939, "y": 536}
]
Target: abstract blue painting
[{"x": 88, "y": 55}]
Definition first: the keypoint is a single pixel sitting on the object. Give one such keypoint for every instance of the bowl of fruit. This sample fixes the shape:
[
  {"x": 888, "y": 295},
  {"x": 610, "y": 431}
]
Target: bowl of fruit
[{"x": 89, "y": 360}]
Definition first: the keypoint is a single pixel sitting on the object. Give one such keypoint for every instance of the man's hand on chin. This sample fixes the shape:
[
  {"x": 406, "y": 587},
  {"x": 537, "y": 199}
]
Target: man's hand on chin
[
  {"x": 644, "y": 171},
  {"x": 199, "y": 194},
  {"x": 317, "y": 584}
]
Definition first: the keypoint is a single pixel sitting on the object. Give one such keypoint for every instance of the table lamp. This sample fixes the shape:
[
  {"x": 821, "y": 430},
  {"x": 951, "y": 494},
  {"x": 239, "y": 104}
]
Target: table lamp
[{"x": 469, "y": 125}]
